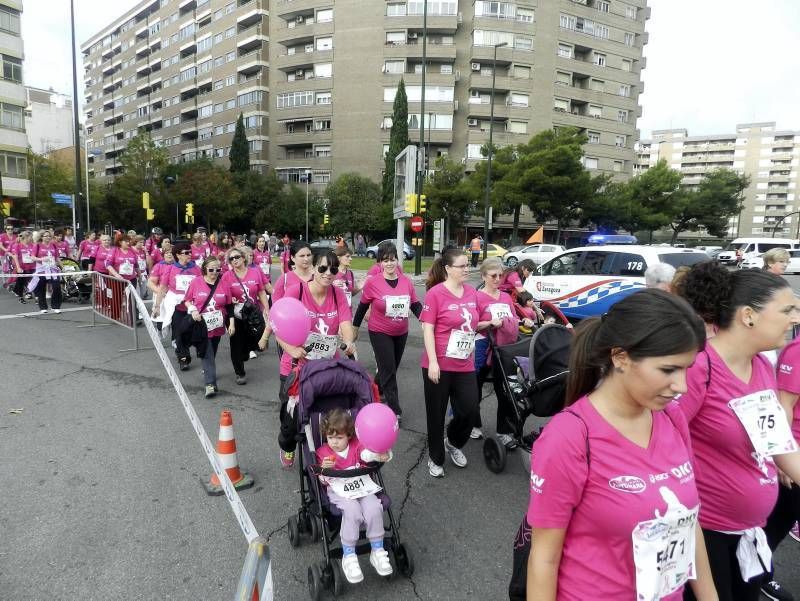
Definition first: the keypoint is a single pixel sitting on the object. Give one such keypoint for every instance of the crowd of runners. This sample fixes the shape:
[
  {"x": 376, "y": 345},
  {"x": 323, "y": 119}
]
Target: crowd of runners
[{"x": 669, "y": 474}]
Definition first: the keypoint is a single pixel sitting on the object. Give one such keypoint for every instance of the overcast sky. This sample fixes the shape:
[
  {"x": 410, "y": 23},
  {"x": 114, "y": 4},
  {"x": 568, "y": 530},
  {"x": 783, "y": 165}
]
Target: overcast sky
[{"x": 710, "y": 63}]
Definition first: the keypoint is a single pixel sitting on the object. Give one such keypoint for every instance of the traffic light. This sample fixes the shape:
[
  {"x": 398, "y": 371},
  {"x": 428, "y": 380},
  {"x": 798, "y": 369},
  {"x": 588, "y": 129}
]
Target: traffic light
[
  {"x": 422, "y": 203},
  {"x": 151, "y": 214},
  {"x": 189, "y": 212},
  {"x": 325, "y": 219},
  {"x": 411, "y": 203},
  {"x": 145, "y": 200}
]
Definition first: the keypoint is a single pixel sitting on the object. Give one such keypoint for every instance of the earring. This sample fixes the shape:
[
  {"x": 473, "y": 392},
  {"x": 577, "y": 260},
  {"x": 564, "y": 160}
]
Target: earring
[
  {"x": 750, "y": 324},
  {"x": 619, "y": 370}
]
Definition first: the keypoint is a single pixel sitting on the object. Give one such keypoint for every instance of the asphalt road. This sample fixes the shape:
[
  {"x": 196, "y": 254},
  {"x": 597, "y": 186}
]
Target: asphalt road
[{"x": 101, "y": 480}]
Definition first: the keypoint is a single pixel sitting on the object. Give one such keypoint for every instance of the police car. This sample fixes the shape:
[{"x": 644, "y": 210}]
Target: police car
[{"x": 585, "y": 282}]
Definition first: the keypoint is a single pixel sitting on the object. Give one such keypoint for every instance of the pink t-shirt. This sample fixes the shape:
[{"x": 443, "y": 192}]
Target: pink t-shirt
[
  {"x": 198, "y": 293},
  {"x": 102, "y": 258},
  {"x": 600, "y": 497},
  {"x": 262, "y": 260},
  {"x": 151, "y": 244},
  {"x": 158, "y": 271},
  {"x": 63, "y": 249},
  {"x": 489, "y": 307},
  {"x": 789, "y": 378},
  {"x": 25, "y": 254},
  {"x": 325, "y": 318},
  {"x": 47, "y": 250},
  {"x": 352, "y": 459},
  {"x": 8, "y": 242},
  {"x": 125, "y": 263},
  {"x": 254, "y": 281},
  {"x": 448, "y": 312},
  {"x": 510, "y": 282},
  {"x": 87, "y": 249},
  {"x": 178, "y": 278},
  {"x": 737, "y": 490},
  {"x": 141, "y": 259},
  {"x": 375, "y": 293},
  {"x": 282, "y": 284},
  {"x": 199, "y": 252}
]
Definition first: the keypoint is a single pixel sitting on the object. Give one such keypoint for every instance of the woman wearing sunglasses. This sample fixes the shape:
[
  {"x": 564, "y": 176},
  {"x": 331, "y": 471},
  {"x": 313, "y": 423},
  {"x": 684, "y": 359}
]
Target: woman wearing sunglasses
[
  {"x": 207, "y": 300},
  {"x": 245, "y": 283},
  {"x": 332, "y": 327}
]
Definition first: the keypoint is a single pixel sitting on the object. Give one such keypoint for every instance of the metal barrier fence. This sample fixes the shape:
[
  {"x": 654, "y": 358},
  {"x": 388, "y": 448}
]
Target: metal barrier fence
[{"x": 112, "y": 299}]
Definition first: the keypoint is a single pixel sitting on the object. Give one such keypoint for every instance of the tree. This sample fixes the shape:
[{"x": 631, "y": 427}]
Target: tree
[
  {"x": 398, "y": 139},
  {"x": 143, "y": 161},
  {"x": 288, "y": 214},
  {"x": 256, "y": 192},
  {"x": 353, "y": 204},
  {"x": 711, "y": 205},
  {"x": 47, "y": 177},
  {"x": 240, "y": 149},
  {"x": 449, "y": 196},
  {"x": 651, "y": 197},
  {"x": 506, "y": 196},
  {"x": 210, "y": 188}
]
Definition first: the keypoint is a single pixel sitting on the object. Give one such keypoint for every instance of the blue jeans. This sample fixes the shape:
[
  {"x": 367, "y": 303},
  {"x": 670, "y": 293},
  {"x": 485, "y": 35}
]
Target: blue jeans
[{"x": 209, "y": 363}]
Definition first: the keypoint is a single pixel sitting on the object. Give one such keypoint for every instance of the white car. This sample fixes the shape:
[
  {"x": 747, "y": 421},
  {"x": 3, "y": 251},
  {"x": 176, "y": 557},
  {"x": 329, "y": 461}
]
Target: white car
[
  {"x": 538, "y": 253},
  {"x": 585, "y": 282},
  {"x": 794, "y": 262}
]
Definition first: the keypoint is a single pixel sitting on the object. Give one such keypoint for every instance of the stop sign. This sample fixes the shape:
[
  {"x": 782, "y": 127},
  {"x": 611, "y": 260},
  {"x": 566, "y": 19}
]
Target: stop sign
[{"x": 416, "y": 223}]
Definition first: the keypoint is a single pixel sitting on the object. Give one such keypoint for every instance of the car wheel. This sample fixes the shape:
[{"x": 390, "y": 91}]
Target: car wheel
[
  {"x": 370, "y": 254},
  {"x": 406, "y": 256},
  {"x": 512, "y": 261}
]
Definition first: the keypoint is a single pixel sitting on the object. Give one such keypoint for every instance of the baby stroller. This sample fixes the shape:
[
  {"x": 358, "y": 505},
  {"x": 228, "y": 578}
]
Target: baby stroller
[
  {"x": 324, "y": 385},
  {"x": 78, "y": 287},
  {"x": 534, "y": 375}
]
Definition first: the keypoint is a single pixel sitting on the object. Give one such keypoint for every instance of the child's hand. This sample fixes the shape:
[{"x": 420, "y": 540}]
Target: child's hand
[{"x": 327, "y": 463}]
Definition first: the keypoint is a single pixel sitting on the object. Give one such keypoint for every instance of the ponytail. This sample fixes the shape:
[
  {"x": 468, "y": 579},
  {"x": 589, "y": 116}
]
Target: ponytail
[
  {"x": 437, "y": 274},
  {"x": 583, "y": 376}
]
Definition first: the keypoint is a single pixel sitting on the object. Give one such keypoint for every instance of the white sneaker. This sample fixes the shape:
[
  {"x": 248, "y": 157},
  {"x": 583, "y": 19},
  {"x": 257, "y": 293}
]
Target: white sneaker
[
  {"x": 456, "y": 456},
  {"x": 476, "y": 434},
  {"x": 352, "y": 569},
  {"x": 379, "y": 559},
  {"x": 56, "y": 311},
  {"x": 437, "y": 471},
  {"x": 795, "y": 532},
  {"x": 507, "y": 440},
  {"x": 42, "y": 311},
  {"x": 253, "y": 355}
]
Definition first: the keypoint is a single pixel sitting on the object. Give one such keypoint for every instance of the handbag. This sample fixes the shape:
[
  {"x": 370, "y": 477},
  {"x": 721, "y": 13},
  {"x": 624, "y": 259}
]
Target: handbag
[{"x": 252, "y": 316}]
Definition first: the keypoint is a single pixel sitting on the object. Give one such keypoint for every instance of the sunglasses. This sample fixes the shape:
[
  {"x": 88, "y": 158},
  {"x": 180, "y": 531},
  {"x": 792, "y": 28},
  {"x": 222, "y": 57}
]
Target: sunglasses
[
  {"x": 211, "y": 270},
  {"x": 323, "y": 268},
  {"x": 494, "y": 275},
  {"x": 185, "y": 252},
  {"x": 234, "y": 257}
]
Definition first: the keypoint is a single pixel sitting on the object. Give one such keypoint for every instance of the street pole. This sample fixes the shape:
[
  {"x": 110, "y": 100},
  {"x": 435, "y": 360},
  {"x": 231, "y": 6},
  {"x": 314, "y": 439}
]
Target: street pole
[
  {"x": 86, "y": 159},
  {"x": 308, "y": 177},
  {"x": 77, "y": 131},
  {"x": 421, "y": 153},
  {"x": 489, "y": 157}
]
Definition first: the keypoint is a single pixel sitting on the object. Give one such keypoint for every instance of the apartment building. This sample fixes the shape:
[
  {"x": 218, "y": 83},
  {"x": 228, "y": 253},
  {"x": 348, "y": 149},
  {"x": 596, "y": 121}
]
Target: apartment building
[
  {"x": 13, "y": 141},
  {"x": 768, "y": 156},
  {"x": 316, "y": 79},
  {"x": 48, "y": 120}
]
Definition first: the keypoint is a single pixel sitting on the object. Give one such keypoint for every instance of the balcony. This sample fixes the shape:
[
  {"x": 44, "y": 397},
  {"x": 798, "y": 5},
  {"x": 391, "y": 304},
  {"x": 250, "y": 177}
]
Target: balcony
[
  {"x": 500, "y": 137},
  {"x": 252, "y": 17},
  {"x": 502, "y": 83},
  {"x": 302, "y": 32},
  {"x": 300, "y": 113},
  {"x": 252, "y": 62},
  {"x": 289, "y": 62},
  {"x": 436, "y": 23},
  {"x": 308, "y": 82},
  {"x": 501, "y": 111},
  {"x": 414, "y": 50},
  {"x": 414, "y": 78},
  {"x": 323, "y": 163},
  {"x": 434, "y": 136},
  {"x": 303, "y": 137},
  {"x": 289, "y": 9},
  {"x": 505, "y": 55}
]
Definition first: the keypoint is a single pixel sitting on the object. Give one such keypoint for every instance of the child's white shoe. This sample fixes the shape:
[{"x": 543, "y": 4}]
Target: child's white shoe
[
  {"x": 352, "y": 569},
  {"x": 379, "y": 559}
]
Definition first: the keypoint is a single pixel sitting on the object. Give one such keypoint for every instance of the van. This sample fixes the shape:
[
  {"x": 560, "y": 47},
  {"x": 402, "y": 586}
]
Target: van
[{"x": 747, "y": 248}]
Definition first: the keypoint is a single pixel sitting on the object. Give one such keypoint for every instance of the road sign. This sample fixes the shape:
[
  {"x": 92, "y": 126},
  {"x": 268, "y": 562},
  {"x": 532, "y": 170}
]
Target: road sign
[
  {"x": 416, "y": 223},
  {"x": 62, "y": 199}
]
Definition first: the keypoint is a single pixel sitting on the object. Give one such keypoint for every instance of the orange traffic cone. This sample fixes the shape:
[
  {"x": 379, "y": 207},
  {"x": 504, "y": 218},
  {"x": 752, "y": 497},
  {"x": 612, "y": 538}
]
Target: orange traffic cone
[{"x": 226, "y": 453}]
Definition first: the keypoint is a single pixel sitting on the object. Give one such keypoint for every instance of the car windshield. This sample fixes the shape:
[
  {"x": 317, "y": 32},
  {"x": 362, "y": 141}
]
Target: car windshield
[
  {"x": 739, "y": 246},
  {"x": 678, "y": 259},
  {"x": 515, "y": 248}
]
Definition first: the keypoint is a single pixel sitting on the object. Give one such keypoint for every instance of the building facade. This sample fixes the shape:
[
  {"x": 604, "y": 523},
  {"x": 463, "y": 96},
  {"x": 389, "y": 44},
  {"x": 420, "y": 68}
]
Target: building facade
[
  {"x": 316, "y": 79},
  {"x": 13, "y": 141},
  {"x": 48, "y": 120},
  {"x": 768, "y": 156}
]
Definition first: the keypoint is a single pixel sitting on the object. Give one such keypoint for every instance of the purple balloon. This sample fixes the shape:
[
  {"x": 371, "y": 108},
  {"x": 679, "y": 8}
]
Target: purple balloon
[
  {"x": 377, "y": 427},
  {"x": 290, "y": 321}
]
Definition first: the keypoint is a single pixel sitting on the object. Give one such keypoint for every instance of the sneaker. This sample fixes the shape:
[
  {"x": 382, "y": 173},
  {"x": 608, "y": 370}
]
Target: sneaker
[
  {"x": 287, "y": 459},
  {"x": 253, "y": 355},
  {"x": 379, "y": 559},
  {"x": 437, "y": 471},
  {"x": 476, "y": 434},
  {"x": 210, "y": 391},
  {"x": 42, "y": 311},
  {"x": 795, "y": 532},
  {"x": 183, "y": 364},
  {"x": 352, "y": 569},
  {"x": 456, "y": 456},
  {"x": 507, "y": 440},
  {"x": 56, "y": 311},
  {"x": 773, "y": 590},
  {"x": 241, "y": 380},
  {"x": 22, "y": 300}
]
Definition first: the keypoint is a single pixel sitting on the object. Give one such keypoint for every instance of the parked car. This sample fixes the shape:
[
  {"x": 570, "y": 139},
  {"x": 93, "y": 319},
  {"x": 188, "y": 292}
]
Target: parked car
[
  {"x": 585, "y": 282},
  {"x": 319, "y": 245},
  {"x": 538, "y": 253},
  {"x": 494, "y": 250},
  {"x": 408, "y": 252},
  {"x": 794, "y": 262},
  {"x": 745, "y": 248}
]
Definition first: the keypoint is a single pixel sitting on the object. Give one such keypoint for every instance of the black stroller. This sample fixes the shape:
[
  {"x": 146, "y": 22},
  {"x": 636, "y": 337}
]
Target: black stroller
[
  {"x": 78, "y": 287},
  {"x": 534, "y": 373},
  {"x": 324, "y": 385}
]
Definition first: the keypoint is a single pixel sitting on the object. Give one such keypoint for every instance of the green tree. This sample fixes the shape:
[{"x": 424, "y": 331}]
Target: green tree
[
  {"x": 449, "y": 195},
  {"x": 47, "y": 177},
  {"x": 398, "y": 139},
  {"x": 256, "y": 192},
  {"x": 505, "y": 194},
  {"x": 288, "y": 214},
  {"x": 212, "y": 191},
  {"x": 650, "y": 198},
  {"x": 717, "y": 199},
  {"x": 353, "y": 204},
  {"x": 240, "y": 149}
]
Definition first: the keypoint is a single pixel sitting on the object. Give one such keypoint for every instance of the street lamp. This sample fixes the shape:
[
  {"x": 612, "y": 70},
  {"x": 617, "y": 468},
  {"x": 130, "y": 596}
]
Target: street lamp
[
  {"x": 307, "y": 177},
  {"x": 489, "y": 157},
  {"x": 86, "y": 152}
]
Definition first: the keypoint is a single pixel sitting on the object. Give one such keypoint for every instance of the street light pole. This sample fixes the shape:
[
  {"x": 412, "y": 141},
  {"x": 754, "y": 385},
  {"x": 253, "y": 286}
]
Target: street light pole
[
  {"x": 75, "y": 104},
  {"x": 489, "y": 157},
  {"x": 308, "y": 178},
  {"x": 421, "y": 153}
]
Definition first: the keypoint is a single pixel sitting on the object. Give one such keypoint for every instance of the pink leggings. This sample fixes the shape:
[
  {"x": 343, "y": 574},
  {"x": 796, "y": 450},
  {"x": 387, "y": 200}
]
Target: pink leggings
[{"x": 366, "y": 510}]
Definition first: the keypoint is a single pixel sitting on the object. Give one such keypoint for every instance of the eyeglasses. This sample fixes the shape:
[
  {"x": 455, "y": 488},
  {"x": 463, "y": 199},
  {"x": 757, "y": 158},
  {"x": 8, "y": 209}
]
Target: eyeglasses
[
  {"x": 464, "y": 266},
  {"x": 212, "y": 270},
  {"x": 494, "y": 276},
  {"x": 234, "y": 257},
  {"x": 323, "y": 268}
]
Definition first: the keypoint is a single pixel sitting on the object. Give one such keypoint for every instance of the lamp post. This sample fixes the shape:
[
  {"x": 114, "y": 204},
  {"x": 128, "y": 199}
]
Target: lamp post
[
  {"x": 307, "y": 177},
  {"x": 489, "y": 157},
  {"x": 94, "y": 152}
]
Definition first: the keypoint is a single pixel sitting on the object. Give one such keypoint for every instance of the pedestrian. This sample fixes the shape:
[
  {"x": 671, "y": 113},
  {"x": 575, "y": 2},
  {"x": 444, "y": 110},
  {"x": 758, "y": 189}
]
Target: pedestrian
[
  {"x": 200, "y": 249},
  {"x": 273, "y": 243},
  {"x": 361, "y": 246},
  {"x": 87, "y": 251},
  {"x": 391, "y": 298},
  {"x": 262, "y": 257},
  {"x": 65, "y": 251},
  {"x": 157, "y": 274},
  {"x": 285, "y": 254},
  {"x": 206, "y": 300},
  {"x": 776, "y": 260},
  {"x": 103, "y": 255},
  {"x": 449, "y": 318},
  {"x": 24, "y": 251},
  {"x": 245, "y": 284},
  {"x": 345, "y": 278},
  {"x": 154, "y": 241},
  {"x": 299, "y": 268},
  {"x": 614, "y": 470},
  {"x": 730, "y": 386},
  {"x": 7, "y": 241},
  {"x": 69, "y": 240},
  {"x": 155, "y": 256},
  {"x": 475, "y": 250},
  {"x": 331, "y": 320},
  {"x": 46, "y": 254},
  {"x": 659, "y": 275},
  {"x": 124, "y": 261},
  {"x": 513, "y": 278}
]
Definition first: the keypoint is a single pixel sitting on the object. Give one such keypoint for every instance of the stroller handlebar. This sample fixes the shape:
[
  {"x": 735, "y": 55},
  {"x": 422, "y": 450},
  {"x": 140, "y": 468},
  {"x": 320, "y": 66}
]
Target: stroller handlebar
[{"x": 372, "y": 468}]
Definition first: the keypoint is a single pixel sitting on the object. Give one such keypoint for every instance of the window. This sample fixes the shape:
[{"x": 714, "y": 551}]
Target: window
[
  {"x": 322, "y": 125},
  {"x": 523, "y": 42},
  {"x": 568, "y": 22},
  {"x": 186, "y": 32},
  {"x": 204, "y": 67},
  {"x": 188, "y": 73},
  {"x": 255, "y": 145},
  {"x": 291, "y": 99},
  {"x": 496, "y": 10},
  {"x": 325, "y": 43},
  {"x": 219, "y": 61},
  {"x": 516, "y": 99},
  {"x": 627, "y": 64},
  {"x": 517, "y": 127},
  {"x": 9, "y": 21},
  {"x": 629, "y": 38},
  {"x": 563, "y": 78},
  {"x": 218, "y": 108},
  {"x": 323, "y": 70},
  {"x": 565, "y": 51},
  {"x": 142, "y": 111},
  {"x": 219, "y": 84},
  {"x": 525, "y": 15},
  {"x": 590, "y": 162},
  {"x": 231, "y": 56},
  {"x": 617, "y": 166},
  {"x": 322, "y": 151},
  {"x": 630, "y": 12},
  {"x": 490, "y": 38},
  {"x": 252, "y": 121},
  {"x": 12, "y": 68},
  {"x": 204, "y": 133},
  {"x": 230, "y": 80},
  {"x": 323, "y": 98},
  {"x": 561, "y": 105},
  {"x": 598, "y": 85},
  {"x": 622, "y": 116},
  {"x": 595, "y": 111},
  {"x": 395, "y": 38},
  {"x": 628, "y": 264},
  {"x": 11, "y": 117},
  {"x": 620, "y": 141},
  {"x": 624, "y": 90},
  {"x": 566, "y": 264},
  {"x": 521, "y": 72},
  {"x": 218, "y": 38},
  {"x": 396, "y": 9},
  {"x": 474, "y": 151},
  {"x": 230, "y": 32},
  {"x": 394, "y": 66},
  {"x": 601, "y": 31},
  {"x": 230, "y": 128},
  {"x": 596, "y": 262},
  {"x": 219, "y": 130},
  {"x": 204, "y": 44},
  {"x": 594, "y": 137},
  {"x": 231, "y": 104},
  {"x": 602, "y": 6},
  {"x": 599, "y": 59},
  {"x": 446, "y": 68},
  {"x": 205, "y": 111},
  {"x": 325, "y": 15}
]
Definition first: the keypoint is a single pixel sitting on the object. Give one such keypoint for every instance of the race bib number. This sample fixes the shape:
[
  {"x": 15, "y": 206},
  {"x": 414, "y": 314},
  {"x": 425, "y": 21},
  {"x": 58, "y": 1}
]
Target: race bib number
[
  {"x": 127, "y": 269},
  {"x": 663, "y": 552},
  {"x": 182, "y": 282},
  {"x": 320, "y": 346},
  {"x": 49, "y": 261},
  {"x": 27, "y": 258},
  {"x": 264, "y": 268},
  {"x": 499, "y": 311},
  {"x": 354, "y": 488},
  {"x": 142, "y": 264},
  {"x": 460, "y": 344},
  {"x": 765, "y": 422},
  {"x": 213, "y": 319},
  {"x": 397, "y": 306}
]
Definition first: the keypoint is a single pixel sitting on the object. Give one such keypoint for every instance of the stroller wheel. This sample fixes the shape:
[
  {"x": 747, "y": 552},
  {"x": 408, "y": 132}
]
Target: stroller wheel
[
  {"x": 315, "y": 528},
  {"x": 294, "y": 531},
  {"x": 403, "y": 560},
  {"x": 494, "y": 454},
  {"x": 339, "y": 581},
  {"x": 314, "y": 582}
]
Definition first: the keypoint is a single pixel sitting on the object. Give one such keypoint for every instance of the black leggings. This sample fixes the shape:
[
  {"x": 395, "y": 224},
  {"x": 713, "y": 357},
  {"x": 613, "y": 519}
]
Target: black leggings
[
  {"x": 388, "y": 351},
  {"x": 41, "y": 293},
  {"x": 505, "y": 414},
  {"x": 288, "y": 431},
  {"x": 21, "y": 284},
  {"x": 461, "y": 390},
  {"x": 241, "y": 345},
  {"x": 183, "y": 340},
  {"x": 725, "y": 570},
  {"x": 785, "y": 513}
]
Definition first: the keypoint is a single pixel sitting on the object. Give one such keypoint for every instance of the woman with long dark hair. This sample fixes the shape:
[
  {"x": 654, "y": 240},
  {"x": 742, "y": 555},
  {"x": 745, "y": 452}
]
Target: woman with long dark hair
[
  {"x": 299, "y": 269},
  {"x": 514, "y": 277},
  {"x": 613, "y": 502}
]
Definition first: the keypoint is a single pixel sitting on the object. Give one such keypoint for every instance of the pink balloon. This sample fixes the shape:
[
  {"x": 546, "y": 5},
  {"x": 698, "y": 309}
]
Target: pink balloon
[
  {"x": 290, "y": 321},
  {"x": 377, "y": 427}
]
